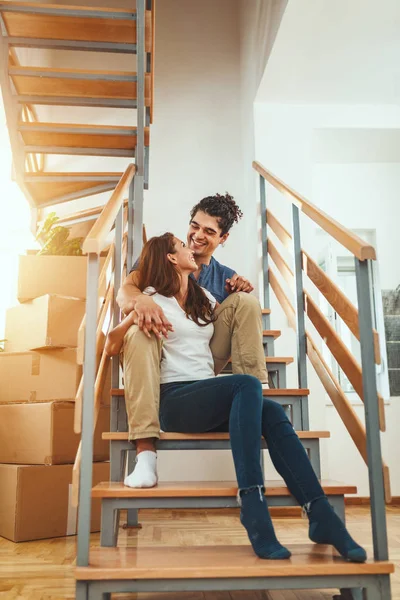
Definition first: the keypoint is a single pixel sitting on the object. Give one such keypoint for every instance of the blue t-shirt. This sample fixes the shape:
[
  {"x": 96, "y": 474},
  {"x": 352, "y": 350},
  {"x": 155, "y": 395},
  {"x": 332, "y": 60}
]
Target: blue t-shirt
[{"x": 212, "y": 277}]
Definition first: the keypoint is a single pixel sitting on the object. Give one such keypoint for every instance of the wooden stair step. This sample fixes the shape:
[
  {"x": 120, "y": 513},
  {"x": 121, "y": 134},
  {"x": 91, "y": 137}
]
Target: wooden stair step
[
  {"x": 266, "y": 311},
  {"x": 275, "y": 333},
  {"x": 103, "y": 140},
  {"x": 48, "y": 85},
  {"x": 52, "y": 188},
  {"x": 107, "y": 29},
  {"x": 209, "y": 562},
  {"x": 273, "y": 392},
  {"x": 172, "y": 436},
  {"x": 173, "y": 489},
  {"x": 285, "y": 360}
]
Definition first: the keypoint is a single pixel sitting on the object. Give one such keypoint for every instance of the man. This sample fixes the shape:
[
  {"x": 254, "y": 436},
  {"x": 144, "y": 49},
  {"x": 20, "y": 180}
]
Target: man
[{"x": 237, "y": 330}]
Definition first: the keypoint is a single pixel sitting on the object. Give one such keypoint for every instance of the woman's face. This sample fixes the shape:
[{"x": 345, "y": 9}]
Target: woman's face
[{"x": 183, "y": 257}]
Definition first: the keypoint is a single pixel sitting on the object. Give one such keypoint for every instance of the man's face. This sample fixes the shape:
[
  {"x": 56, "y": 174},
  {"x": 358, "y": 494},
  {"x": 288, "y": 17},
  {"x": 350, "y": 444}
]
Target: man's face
[{"x": 204, "y": 235}]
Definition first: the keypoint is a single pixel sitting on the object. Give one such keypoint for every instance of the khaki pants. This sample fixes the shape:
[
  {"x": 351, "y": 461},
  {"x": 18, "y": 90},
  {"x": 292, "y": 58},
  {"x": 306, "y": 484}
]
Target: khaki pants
[{"x": 237, "y": 334}]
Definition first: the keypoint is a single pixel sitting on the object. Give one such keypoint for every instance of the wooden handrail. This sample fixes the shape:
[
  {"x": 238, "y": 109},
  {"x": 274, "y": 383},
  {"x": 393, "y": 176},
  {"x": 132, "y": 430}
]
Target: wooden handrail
[
  {"x": 281, "y": 233},
  {"x": 338, "y": 300},
  {"x": 332, "y": 387},
  {"x": 101, "y": 373},
  {"x": 282, "y": 265},
  {"x": 341, "y": 353},
  {"x": 82, "y": 326},
  {"x": 344, "y": 236},
  {"x": 99, "y": 351},
  {"x": 97, "y": 236},
  {"x": 339, "y": 350},
  {"x": 84, "y": 214},
  {"x": 334, "y": 295}
]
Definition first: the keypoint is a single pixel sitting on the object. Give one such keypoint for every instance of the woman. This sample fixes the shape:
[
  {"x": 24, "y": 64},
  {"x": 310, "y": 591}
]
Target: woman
[{"x": 193, "y": 400}]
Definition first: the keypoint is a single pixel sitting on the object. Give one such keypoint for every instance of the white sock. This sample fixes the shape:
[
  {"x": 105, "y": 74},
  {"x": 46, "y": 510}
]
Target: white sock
[
  {"x": 144, "y": 474},
  {"x": 265, "y": 386}
]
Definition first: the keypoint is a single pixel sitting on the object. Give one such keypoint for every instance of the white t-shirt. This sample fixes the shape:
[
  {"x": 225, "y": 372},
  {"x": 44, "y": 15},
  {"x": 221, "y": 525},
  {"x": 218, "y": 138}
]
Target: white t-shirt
[{"x": 186, "y": 354}]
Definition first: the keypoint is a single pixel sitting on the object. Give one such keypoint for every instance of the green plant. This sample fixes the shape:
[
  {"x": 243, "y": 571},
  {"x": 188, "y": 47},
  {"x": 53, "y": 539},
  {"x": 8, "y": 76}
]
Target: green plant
[{"x": 55, "y": 239}]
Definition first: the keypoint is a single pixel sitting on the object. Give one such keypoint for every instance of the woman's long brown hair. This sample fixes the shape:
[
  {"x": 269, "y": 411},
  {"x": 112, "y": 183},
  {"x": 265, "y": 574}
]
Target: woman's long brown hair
[{"x": 155, "y": 270}]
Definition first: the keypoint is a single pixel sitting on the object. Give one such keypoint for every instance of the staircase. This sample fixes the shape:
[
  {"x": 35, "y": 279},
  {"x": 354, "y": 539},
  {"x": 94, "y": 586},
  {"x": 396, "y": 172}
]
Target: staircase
[{"x": 112, "y": 568}]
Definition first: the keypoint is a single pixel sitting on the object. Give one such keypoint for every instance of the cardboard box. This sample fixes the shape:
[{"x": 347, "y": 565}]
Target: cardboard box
[
  {"x": 46, "y": 322},
  {"x": 37, "y": 434},
  {"x": 39, "y": 376},
  {"x": 35, "y": 501},
  {"x": 60, "y": 275}
]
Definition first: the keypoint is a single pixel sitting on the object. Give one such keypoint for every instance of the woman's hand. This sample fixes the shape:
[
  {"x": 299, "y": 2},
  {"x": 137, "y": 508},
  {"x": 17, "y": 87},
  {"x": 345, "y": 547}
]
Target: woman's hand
[
  {"x": 151, "y": 317},
  {"x": 237, "y": 283}
]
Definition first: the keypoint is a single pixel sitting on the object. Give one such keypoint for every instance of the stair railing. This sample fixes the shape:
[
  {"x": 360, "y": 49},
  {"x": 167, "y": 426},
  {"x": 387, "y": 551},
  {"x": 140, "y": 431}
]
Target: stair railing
[
  {"x": 363, "y": 378},
  {"x": 102, "y": 312}
]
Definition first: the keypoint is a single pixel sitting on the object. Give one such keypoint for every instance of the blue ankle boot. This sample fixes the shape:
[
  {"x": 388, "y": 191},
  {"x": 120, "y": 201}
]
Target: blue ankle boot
[
  {"x": 256, "y": 519},
  {"x": 327, "y": 528}
]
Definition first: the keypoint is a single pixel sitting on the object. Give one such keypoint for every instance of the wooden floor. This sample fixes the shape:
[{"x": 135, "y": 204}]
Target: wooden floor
[{"x": 44, "y": 570}]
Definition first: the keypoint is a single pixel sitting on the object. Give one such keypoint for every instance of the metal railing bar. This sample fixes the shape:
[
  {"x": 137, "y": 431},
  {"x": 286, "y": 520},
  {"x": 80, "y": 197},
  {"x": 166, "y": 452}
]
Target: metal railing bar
[
  {"x": 64, "y": 11},
  {"x": 81, "y": 46},
  {"x": 376, "y": 481},
  {"x": 85, "y": 486},
  {"x": 77, "y": 101},
  {"x": 49, "y": 73}
]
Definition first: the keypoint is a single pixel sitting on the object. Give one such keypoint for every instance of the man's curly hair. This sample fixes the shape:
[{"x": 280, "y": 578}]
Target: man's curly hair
[{"x": 224, "y": 208}]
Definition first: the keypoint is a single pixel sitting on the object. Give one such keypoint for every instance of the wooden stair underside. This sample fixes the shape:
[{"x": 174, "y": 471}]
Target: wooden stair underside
[
  {"x": 78, "y": 87},
  {"x": 173, "y": 489},
  {"x": 55, "y": 188},
  {"x": 107, "y": 29},
  {"x": 205, "y": 562},
  {"x": 95, "y": 140}
]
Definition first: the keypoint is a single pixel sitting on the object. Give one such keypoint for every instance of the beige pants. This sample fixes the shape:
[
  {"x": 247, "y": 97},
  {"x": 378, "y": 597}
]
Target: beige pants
[{"x": 237, "y": 334}]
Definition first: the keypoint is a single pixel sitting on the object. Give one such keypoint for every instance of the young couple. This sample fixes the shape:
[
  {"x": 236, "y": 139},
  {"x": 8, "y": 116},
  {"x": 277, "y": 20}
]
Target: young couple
[{"x": 186, "y": 316}]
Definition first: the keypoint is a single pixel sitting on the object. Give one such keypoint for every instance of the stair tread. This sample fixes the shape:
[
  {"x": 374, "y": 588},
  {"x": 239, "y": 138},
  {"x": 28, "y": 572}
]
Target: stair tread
[
  {"x": 49, "y": 82},
  {"x": 272, "y": 332},
  {"x": 116, "y": 489},
  {"x": 287, "y": 360},
  {"x": 80, "y": 136},
  {"x": 266, "y": 311},
  {"x": 74, "y": 23},
  {"x": 123, "y": 435},
  {"x": 210, "y": 562},
  {"x": 269, "y": 392}
]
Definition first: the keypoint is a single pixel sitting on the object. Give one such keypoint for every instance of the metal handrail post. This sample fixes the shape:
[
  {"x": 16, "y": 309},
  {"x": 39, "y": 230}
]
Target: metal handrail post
[
  {"x": 117, "y": 284},
  {"x": 89, "y": 379},
  {"x": 300, "y": 322},
  {"x": 264, "y": 241},
  {"x": 138, "y": 181},
  {"x": 131, "y": 203},
  {"x": 374, "y": 453}
]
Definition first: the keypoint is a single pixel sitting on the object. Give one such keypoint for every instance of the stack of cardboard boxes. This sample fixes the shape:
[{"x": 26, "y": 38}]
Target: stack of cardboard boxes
[{"x": 39, "y": 378}]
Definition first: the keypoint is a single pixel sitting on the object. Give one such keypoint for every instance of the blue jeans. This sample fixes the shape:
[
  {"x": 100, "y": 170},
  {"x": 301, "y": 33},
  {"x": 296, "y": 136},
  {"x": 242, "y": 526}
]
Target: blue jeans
[{"x": 235, "y": 403}]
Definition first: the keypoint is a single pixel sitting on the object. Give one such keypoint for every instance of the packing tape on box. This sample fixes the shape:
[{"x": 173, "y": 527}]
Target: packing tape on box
[
  {"x": 72, "y": 514},
  {"x": 35, "y": 364}
]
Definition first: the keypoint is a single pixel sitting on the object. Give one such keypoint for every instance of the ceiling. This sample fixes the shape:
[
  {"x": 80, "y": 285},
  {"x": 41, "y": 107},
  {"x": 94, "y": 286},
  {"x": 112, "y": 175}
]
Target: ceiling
[{"x": 336, "y": 52}]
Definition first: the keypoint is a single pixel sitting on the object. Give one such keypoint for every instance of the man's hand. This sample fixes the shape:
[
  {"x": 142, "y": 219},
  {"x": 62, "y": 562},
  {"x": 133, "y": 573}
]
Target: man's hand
[
  {"x": 151, "y": 318},
  {"x": 238, "y": 284}
]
